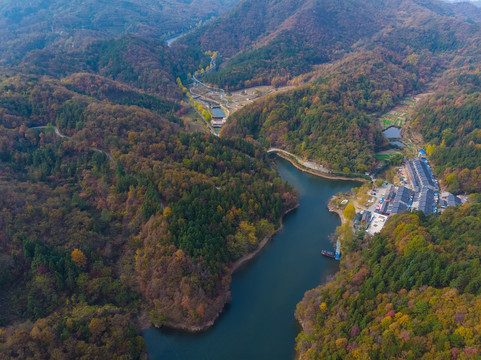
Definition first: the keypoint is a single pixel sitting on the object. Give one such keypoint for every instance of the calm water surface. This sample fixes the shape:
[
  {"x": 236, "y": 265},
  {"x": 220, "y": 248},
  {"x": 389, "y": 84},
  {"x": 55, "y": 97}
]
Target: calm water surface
[
  {"x": 393, "y": 132},
  {"x": 259, "y": 323}
]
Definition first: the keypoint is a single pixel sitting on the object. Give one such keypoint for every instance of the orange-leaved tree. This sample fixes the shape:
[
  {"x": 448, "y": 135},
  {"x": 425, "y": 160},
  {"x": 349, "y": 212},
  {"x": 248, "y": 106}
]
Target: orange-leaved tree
[{"x": 78, "y": 257}]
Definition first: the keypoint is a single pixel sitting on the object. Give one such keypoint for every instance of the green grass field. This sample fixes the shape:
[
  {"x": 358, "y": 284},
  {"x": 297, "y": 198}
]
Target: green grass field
[
  {"x": 383, "y": 156},
  {"x": 396, "y": 119}
]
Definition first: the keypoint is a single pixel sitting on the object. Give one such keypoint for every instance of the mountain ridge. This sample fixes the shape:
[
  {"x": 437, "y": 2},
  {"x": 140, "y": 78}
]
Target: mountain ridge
[
  {"x": 264, "y": 39},
  {"x": 71, "y": 24}
]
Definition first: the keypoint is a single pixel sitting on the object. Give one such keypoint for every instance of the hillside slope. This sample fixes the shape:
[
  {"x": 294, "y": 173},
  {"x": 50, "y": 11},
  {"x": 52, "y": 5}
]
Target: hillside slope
[
  {"x": 29, "y": 25},
  {"x": 450, "y": 122},
  {"x": 265, "y": 39},
  {"x": 332, "y": 118},
  {"x": 109, "y": 213},
  {"x": 329, "y": 120},
  {"x": 147, "y": 64},
  {"x": 411, "y": 292}
]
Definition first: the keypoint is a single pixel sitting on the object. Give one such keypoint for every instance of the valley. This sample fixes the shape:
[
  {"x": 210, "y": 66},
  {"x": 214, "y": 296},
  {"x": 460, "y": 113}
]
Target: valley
[
  {"x": 228, "y": 103},
  {"x": 148, "y": 155},
  {"x": 261, "y": 311},
  {"x": 397, "y": 128}
]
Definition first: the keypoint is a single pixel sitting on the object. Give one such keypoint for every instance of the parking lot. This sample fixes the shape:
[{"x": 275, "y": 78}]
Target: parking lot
[
  {"x": 378, "y": 198},
  {"x": 377, "y": 223}
]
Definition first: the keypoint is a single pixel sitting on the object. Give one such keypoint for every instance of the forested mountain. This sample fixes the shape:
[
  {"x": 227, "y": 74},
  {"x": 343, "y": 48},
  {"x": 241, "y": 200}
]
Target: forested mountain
[
  {"x": 147, "y": 64},
  {"x": 108, "y": 222},
  {"x": 411, "y": 44},
  {"x": 450, "y": 122},
  {"x": 329, "y": 120},
  {"x": 112, "y": 210},
  {"x": 114, "y": 217},
  {"x": 70, "y": 25},
  {"x": 411, "y": 292},
  {"x": 264, "y": 39}
]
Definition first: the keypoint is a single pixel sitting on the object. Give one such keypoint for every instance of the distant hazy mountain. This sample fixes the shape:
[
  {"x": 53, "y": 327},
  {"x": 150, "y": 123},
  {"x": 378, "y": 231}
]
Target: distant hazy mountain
[
  {"x": 267, "y": 38},
  {"x": 474, "y": 2},
  {"x": 27, "y": 25}
]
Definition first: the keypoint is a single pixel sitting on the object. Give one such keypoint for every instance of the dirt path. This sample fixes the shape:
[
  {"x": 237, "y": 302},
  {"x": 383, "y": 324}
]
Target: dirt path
[{"x": 58, "y": 133}]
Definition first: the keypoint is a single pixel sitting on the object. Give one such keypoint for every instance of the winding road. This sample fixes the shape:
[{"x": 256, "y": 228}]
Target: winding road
[
  {"x": 221, "y": 92},
  {"x": 58, "y": 133}
]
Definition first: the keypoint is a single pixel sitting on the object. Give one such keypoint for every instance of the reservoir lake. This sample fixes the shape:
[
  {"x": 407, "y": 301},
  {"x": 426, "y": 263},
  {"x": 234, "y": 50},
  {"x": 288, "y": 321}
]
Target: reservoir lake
[{"x": 259, "y": 323}]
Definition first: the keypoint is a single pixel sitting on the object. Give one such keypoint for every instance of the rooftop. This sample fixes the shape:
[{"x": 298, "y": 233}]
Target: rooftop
[
  {"x": 453, "y": 200},
  {"x": 398, "y": 208},
  {"x": 404, "y": 195},
  {"x": 424, "y": 174}
]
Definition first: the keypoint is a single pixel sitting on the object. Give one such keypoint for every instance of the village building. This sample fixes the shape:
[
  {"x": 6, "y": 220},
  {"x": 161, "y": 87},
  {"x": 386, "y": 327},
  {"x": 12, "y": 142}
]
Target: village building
[
  {"x": 218, "y": 117},
  {"x": 424, "y": 201},
  {"x": 448, "y": 199},
  {"x": 402, "y": 201}
]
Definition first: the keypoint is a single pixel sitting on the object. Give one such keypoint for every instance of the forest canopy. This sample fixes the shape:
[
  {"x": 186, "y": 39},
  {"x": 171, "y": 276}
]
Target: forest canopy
[
  {"x": 411, "y": 292},
  {"x": 111, "y": 205}
]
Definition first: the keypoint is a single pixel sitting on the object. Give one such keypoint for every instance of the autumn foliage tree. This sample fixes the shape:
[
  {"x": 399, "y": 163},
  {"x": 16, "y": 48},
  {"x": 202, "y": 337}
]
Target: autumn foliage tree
[
  {"x": 403, "y": 293},
  {"x": 79, "y": 258},
  {"x": 349, "y": 212},
  {"x": 128, "y": 208}
]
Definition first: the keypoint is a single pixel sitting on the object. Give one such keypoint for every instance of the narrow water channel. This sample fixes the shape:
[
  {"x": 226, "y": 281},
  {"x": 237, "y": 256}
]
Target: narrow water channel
[{"x": 259, "y": 323}]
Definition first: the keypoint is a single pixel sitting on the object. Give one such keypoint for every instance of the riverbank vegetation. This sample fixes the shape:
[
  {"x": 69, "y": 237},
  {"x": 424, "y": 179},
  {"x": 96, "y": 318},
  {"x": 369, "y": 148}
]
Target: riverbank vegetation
[{"x": 410, "y": 292}]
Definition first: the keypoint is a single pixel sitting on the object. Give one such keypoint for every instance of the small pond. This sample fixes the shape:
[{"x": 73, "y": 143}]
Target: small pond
[
  {"x": 397, "y": 143},
  {"x": 393, "y": 132}
]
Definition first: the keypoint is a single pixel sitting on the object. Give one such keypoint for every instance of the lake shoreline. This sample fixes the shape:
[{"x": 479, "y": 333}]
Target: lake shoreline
[
  {"x": 332, "y": 208},
  {"x": 319, "y": 173},
  {"x": 265, "y": 291},
  {"x": 233, "y": 267},
  {"x": 238, "y": 263},
  {"x": 246, "y": 258}
]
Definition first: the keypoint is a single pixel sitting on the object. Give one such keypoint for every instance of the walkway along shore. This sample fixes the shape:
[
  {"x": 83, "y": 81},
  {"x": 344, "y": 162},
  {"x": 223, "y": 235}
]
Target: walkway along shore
[{"x": 310, "y": 167}]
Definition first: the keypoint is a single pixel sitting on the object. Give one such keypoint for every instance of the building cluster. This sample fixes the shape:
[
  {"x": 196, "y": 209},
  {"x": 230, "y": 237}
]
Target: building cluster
[
  {"x": 448, "y": 199},
  {"x": 419, "y": 191},
  {"x": 425, "y": 186},
  {"x": 421, "y": 175},
  {"x": 396, "y": 201},
  {"x": 424, "y": 195}
]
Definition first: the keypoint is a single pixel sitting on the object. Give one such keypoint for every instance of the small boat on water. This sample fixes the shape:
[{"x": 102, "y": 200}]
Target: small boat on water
[{"x": 328, "y": 254}]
